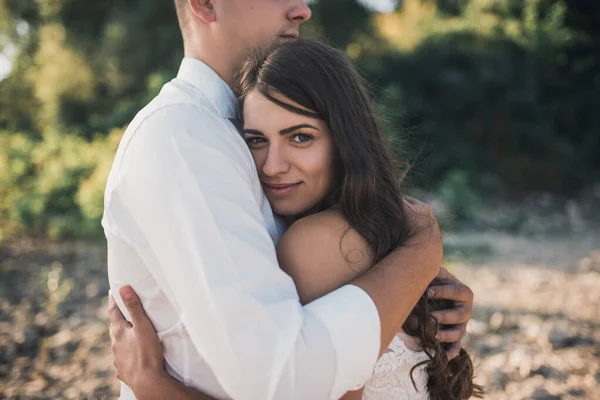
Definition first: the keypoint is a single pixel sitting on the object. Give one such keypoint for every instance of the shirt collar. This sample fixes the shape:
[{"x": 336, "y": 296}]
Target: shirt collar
[{"x": 203, "y": 78}]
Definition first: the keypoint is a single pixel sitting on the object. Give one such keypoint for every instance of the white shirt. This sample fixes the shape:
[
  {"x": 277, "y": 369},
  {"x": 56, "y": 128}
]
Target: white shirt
[{"x": 189, "y": 227}]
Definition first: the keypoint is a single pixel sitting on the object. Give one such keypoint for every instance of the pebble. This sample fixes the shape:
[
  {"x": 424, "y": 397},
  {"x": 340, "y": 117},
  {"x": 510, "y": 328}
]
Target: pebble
[{"x": 533, "y": 334}]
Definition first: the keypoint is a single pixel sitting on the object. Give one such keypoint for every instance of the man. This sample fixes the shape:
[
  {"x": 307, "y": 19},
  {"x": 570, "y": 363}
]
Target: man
[{"x": 189, "y": 227}]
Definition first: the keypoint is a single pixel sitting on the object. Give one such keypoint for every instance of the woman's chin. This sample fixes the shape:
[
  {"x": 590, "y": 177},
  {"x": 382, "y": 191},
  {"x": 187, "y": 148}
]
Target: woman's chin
[
  {"x": 291, "y": 211},
  {"x": 284, "y": 212}
]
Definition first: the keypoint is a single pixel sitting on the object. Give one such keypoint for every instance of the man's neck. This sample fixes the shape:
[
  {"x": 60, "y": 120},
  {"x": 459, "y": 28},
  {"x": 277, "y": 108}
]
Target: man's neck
[{"x": 224, "y": 65}]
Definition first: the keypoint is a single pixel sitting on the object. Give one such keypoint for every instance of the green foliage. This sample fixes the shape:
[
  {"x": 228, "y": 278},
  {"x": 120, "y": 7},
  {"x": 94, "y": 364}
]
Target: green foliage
[
  {"x": 53, "y": 186},
  {"x": 506, "y": 90},
  {"x": 490, "y": 96},
  {"x": 85, "y": 67},
  {"x": 459, "y": 195}
]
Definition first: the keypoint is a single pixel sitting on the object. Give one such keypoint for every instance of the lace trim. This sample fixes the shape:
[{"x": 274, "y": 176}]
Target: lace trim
[{"x": 391, "y": 375}]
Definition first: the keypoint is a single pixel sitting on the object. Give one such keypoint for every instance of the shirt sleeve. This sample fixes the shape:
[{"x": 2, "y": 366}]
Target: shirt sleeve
[{"x": 183, "y": 199}]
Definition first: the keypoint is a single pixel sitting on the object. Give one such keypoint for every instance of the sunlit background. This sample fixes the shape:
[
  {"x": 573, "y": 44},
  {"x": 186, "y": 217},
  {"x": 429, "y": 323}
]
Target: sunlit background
[{"x": 494, "y": 104}]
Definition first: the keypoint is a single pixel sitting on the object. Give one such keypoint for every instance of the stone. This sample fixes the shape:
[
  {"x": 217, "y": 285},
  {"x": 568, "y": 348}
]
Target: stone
[
  {"x": 477, "y": 327},
  {"x": 28, "y": 342},
  {"x": 544, "y": 371},
  {"x": 499, "y": 380},
  {"x": 496, "y": 320},
  {"x": 542, "y": 394},
  {"x": 560, "y": 338},
  {"x": 8, "y": 352}
]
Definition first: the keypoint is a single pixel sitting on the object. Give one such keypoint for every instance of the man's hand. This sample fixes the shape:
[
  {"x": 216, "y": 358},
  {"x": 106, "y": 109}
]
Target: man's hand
[
  {"x": 459, "y": 316},
  {"x": 137, "y": 351},
  {"x": 138, "y": 354},
  {"x": 423, "y": 224}
]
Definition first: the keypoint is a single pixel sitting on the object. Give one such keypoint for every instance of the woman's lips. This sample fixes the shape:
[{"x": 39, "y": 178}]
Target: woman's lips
[{"x": 280, "y": 190}]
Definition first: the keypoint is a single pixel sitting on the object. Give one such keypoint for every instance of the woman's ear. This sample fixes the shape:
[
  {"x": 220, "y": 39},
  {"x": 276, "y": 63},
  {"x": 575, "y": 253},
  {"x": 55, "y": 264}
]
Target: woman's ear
[{"x": 204, "y": 9}]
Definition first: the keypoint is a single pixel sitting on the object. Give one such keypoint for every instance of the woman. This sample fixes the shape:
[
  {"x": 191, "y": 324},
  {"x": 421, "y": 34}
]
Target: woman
[{"x": 324, "y": 165}]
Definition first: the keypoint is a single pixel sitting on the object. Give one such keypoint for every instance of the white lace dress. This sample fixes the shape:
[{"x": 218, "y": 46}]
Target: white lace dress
[{"x": 391, "y": 375}]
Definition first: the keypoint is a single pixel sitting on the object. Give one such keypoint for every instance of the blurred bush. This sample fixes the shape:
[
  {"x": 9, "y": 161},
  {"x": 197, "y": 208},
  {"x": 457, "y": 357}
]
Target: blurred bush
[
  {"x": 53, "y": 186},
  {"x": 491, "y": 97},
  {"x": 459, "y": 197},
  {"x": 504, "y": 89}
]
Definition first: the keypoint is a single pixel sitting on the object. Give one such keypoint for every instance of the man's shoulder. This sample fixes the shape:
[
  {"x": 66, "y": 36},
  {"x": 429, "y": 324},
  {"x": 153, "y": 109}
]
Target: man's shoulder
[
  {"x": 167, "y": 121},
  {"x": 170, "y": 137},
  {"x": 161, "y": 127},
  {"x": 173, "y": 112}
]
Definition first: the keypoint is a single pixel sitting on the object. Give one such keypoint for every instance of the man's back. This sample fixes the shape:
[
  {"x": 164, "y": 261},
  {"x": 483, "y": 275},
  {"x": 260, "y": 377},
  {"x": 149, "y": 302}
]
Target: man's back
[
  {"x": 126, "y": 266},
  {"x": 189, "y": 228}
]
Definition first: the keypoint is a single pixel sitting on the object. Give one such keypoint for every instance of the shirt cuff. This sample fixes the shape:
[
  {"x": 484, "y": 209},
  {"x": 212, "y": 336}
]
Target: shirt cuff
[{"x": 352, "y": 319}]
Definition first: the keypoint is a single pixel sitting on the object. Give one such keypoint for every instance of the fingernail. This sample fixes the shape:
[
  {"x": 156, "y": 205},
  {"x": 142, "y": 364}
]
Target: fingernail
[{"x": 430, "y": 292}]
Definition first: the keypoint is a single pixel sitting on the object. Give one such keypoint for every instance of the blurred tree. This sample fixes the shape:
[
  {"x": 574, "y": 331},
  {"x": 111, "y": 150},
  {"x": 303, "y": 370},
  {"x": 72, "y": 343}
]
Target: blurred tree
[
  {"x": 339, "y": 21},
  {"x": 88, "y": 66},
  {"x": 512, "y": 92},
  {"x": 497, "y": 95}
]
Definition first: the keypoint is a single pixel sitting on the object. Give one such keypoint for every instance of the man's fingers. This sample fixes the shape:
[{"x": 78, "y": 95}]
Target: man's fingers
[
  {"x": 115, "y": 315},
  {"x": 452, "y": 335},
  {"x": 412, "y": 200},
  {"x": 453, "y": 351},
  {"x": 452, "y": 316},
  {"x": 445, "y": 275},
  {"x": 115, "y": 331},
  {"x": 139, "y": 319},
  {"x": 134, "y": 305},
  {"x": 456, "y": 292}
]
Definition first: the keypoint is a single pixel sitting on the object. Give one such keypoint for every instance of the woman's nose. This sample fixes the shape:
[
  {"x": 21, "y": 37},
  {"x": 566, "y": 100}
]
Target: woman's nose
[{"x": 276, "y": 163}]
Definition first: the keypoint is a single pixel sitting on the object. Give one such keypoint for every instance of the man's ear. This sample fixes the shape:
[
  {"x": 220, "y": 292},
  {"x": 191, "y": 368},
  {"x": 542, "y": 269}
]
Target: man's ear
[{"x": 204, "y": 9}]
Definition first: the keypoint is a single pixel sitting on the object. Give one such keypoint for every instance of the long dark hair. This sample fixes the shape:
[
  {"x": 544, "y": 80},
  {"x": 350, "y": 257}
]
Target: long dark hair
[{"x": 367, "y": 193}]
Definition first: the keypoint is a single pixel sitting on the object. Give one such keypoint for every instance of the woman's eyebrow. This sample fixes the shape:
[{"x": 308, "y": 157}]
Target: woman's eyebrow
[
  {"x": 253, "y": 132},
  {"x": 296, "y": 127}
]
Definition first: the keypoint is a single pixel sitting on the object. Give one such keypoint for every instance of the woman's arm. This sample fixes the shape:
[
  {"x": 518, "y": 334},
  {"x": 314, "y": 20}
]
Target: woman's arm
[
  {"x": 353, "y": 395},
  {"x": 322, "y": 253}
]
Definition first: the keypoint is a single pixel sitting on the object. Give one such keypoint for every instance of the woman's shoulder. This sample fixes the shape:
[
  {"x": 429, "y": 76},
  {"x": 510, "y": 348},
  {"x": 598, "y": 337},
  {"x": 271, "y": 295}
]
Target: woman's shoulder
[
  {"x": 324, "y": 246},
  {"x": 326, "y": 228},
  {"x": 330, "y": 222}
]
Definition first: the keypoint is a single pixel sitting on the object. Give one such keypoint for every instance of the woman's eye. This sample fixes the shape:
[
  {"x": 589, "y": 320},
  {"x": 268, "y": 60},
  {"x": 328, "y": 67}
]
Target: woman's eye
[
  {"x": 255, "y": 140},
  {"x": 301, "y": 138}
]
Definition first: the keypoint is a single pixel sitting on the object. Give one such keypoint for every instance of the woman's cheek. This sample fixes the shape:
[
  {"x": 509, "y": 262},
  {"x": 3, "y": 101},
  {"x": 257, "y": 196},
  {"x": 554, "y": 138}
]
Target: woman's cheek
[
  {"x": 320, "y": 161},
  {"x": 259, "y": 158}
]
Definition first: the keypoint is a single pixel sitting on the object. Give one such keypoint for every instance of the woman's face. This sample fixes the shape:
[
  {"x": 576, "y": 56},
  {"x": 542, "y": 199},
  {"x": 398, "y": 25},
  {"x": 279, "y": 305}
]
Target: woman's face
[{"x": 294, "y": 154}]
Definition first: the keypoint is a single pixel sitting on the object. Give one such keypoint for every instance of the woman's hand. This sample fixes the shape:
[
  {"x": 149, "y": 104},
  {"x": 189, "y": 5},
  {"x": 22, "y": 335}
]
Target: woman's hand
[{"x": 137, "y": 351}]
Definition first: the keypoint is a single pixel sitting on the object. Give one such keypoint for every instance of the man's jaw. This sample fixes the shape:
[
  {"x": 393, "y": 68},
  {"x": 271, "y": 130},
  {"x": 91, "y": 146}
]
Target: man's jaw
[{"x": 289, "y": 37}]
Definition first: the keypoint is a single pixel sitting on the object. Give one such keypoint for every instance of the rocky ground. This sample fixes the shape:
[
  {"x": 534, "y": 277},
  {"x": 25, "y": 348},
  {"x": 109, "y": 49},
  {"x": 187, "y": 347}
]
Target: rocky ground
[
  {"x": 536, "y": 326},
  {"x": 535, "y": 331},
  {"x": 53, "y": 332}
]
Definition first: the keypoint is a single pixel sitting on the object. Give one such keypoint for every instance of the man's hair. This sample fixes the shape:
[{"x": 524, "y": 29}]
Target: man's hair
[{"x": 182, "y": 13}]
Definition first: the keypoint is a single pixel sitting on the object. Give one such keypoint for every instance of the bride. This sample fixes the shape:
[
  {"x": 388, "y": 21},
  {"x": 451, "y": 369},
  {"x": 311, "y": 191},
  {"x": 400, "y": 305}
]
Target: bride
[{"x": 324, "y": 164}]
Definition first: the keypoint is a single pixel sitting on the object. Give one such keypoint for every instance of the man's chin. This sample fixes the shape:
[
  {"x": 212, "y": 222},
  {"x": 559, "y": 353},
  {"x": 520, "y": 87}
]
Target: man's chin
[{"x": 285, "y": 38}]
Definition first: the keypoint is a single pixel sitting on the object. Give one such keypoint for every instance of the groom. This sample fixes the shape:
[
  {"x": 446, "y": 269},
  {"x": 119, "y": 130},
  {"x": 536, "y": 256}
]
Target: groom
[{"x": 189, "y": 228}]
